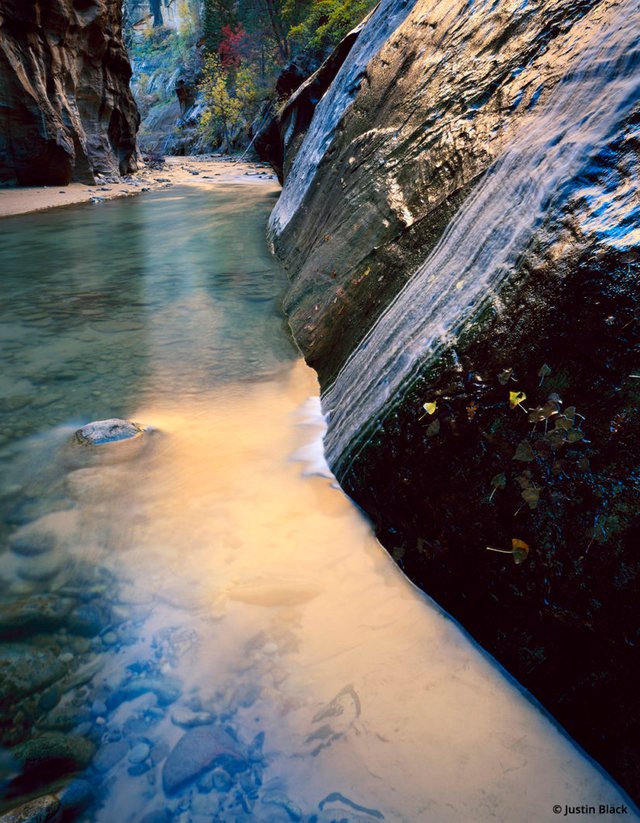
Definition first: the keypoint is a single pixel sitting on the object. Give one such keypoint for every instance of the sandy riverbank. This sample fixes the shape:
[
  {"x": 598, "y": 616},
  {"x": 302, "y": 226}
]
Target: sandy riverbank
[{"x": 174, "y": 171}]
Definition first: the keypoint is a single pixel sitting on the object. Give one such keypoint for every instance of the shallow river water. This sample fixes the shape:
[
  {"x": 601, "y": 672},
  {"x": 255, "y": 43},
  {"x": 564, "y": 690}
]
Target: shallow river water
[{"x": 197, "y": 625}]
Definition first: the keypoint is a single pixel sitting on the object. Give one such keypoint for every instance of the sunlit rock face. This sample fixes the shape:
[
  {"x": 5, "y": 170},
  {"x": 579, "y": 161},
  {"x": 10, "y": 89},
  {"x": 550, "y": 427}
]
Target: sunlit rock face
[
  {"x": 461, "y": 230},
  {"x": 67, "y": 112}
]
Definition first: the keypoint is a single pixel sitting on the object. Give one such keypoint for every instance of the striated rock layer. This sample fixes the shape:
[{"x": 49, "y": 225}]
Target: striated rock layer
[
  {"x": 461, "y": 227},
  {"x": 66, "y": 111}
]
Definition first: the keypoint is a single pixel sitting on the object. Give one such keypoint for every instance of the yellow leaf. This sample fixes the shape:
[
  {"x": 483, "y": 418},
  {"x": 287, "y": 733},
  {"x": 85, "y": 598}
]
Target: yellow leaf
[
  {"x": 519, "y": 550},
  {"x": 430, "y": 407},
  {"x": 516, "y": 397}
]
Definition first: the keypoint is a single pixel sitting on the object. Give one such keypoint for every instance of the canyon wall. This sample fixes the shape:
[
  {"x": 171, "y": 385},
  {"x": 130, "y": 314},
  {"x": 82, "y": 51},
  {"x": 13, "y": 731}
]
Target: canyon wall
[
  {"x": 460, "y": 222},
  {"x": 66, "y": 109}
]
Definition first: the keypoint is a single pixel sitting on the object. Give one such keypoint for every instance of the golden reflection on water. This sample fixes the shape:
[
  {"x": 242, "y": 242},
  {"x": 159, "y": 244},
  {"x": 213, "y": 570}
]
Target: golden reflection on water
[{"x": 276, "y": 583}]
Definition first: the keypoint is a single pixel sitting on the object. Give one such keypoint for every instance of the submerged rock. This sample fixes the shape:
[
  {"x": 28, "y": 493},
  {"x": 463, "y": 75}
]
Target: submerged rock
[
  {"x": 41, "y": 612},
  {"x": 24, "y": 670},
  {"x": 41, "y": 810},
  {"x": 44, "y": 534},
  {"x": 187, "y": 718},
  {"x": 482, "y": 240},
  {"x": 199, "y": 750},
  {"x": 54, "y": 753}
]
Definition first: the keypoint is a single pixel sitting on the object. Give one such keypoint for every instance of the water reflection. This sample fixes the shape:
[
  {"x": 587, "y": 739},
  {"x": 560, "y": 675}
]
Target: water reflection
[{"x": 207, "y": 624}]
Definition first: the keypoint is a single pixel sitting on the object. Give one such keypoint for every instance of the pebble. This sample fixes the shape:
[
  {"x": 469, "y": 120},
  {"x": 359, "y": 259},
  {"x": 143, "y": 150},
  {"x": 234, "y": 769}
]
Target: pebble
[
  {"x": 188, "y": 718},
  {"x": 86, "y": 620},
  {"x": 139, "y": 753},
  {"x": 110, "y": 639},
  {"x": 166, "y": 690},
  {"x": 99, "y": 707},
  {"x": 110, "y": 755}
]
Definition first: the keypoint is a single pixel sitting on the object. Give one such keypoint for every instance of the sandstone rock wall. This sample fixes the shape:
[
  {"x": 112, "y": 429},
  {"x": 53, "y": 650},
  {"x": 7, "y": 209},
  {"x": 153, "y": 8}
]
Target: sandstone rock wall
[
  {"x": 66, "y": 111},
  {"x": 470, "y": 221}
]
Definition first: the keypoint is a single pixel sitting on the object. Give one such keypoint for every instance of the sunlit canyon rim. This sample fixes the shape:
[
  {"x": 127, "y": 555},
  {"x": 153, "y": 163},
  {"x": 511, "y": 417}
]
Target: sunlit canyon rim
[{"x": 459, "y": 223}]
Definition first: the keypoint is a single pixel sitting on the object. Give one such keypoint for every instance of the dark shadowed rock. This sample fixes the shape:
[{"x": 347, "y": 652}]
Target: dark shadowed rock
[
  {"x": 41, "y": 810},
  {"x": 43, "y": 612},
  {"x": 200, "y": 749},
  {"x": 24, "y": 670},
  {"x": 67, "y": 112},
  {"x": 54, "y": 754},
  {"x": 481, "y": 239}
]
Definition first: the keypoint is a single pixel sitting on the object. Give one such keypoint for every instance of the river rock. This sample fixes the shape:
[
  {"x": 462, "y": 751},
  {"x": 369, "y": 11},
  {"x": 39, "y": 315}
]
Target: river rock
[
  {"x": 166, "y": 690},
  {"x": 54, "y": 753},
  {"x": 200, "y": 749},
  {"x": 89, "y": 125},
  {"x": 139, "y": 753},
  {"x": 108, "y": 431},
  {"x": 41, "y": 810},
  {"x": 87, "y": 620},
  {"x": 25, "y": 670},
  {"x": 76, "y": 795},
  {"x": 44, "y": 534},
  {"x": 188, "y": 719},
  {"x": 110, "y": 755},
  {"x": 419, "y": 145},
  {"x": 38, "y": 613}
]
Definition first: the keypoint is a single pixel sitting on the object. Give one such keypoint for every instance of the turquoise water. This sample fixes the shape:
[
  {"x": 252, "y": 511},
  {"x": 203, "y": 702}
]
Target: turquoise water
[{"x": 197, "y": 625}]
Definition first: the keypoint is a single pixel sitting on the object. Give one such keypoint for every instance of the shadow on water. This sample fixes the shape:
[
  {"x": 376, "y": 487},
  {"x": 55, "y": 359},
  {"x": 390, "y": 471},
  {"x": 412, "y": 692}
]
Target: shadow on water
[{"x": 197, "y": 625}]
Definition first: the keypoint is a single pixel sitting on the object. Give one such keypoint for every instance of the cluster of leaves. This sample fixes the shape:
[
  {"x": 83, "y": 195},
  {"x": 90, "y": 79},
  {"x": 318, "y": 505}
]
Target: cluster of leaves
[
  {"x": 322, "y": 24},
  {"x": 253, "y": 40},
  {"x": 229, "y": 92},
  {"x": 540, "y": 455}
]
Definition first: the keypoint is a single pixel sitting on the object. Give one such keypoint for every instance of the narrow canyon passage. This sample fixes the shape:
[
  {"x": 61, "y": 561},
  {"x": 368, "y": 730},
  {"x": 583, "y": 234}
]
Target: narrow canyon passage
[{"x": 199, "y": 625}]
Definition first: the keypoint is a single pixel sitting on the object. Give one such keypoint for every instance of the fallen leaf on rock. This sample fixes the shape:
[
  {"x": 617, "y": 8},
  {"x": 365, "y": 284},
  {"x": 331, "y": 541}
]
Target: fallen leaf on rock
[
  {"x": 524, "y": 452},
  {"x": 433, "y": 428},
  {"x": 516, "y": 398},
  {"x": 519, "y": 550}
]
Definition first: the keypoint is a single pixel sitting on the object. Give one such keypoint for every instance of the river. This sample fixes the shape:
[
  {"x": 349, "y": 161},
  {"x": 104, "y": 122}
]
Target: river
[{"x": 199, "y": 625}]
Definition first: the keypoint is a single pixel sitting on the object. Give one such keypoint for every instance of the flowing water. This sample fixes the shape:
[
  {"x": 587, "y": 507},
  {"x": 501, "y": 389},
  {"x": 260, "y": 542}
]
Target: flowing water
[
  {"x": 197, "y": 623},
  {"x": 483, "y": 243}
]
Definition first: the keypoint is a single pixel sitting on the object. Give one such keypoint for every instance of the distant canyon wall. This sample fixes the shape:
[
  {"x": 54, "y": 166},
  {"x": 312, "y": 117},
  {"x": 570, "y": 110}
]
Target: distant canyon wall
[
  {"x": 66, "y": 110},
  {"x": 460, "y": 222}
]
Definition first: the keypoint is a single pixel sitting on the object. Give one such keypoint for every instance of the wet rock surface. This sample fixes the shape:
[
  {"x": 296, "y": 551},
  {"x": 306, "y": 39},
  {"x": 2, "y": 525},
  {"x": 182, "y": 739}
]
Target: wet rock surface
[
  {"x": 452, "y": 463},
  {"x": 89, "y": 125},
  {"x": 40, "y": 810},
  {"x": 108, "y": 431}
]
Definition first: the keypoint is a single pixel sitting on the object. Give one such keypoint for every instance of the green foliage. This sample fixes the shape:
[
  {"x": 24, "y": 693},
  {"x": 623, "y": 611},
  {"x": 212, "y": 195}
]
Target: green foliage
[
  {"x": 321, "y": 24},
  {"x": 231, "y": 98},
  {"x": 223, "y": 108}
]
